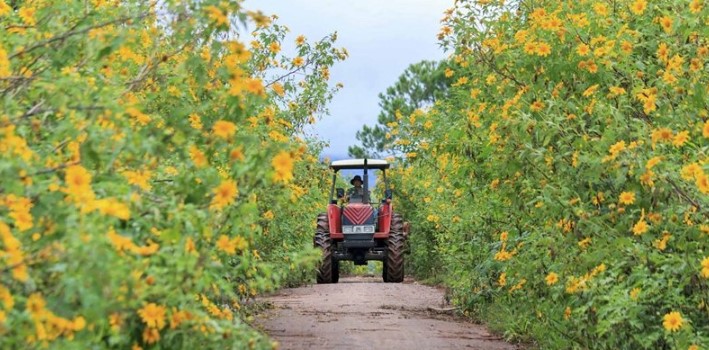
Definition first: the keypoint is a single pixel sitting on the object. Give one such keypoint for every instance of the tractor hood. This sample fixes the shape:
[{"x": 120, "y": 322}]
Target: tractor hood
[{"x": 358, "y": 214}]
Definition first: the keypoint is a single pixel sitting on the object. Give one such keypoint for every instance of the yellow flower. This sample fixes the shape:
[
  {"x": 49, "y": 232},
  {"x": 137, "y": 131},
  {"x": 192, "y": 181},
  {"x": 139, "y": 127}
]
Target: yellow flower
[
  {"x": 681, "y": 138},
  {"x": 113, "y": 207},
  {"x": 503, "y": 236},
  {"x": 4, "y": 8},
  {"x": 27, "y": 15},
  {"x": 691, "y": 171},
  {"x": 140, "y": 117},
  {"x": 224, "y": 194},
  {"x": 298, "y": 61},
  {"x": 652, "y": 162},
  {"x": 705, "y": 267},
  {"x": 283, "y": 165},
  {"x": 36, "y": 305},
  {"x": 195, "y": 121},
  {"x": 198, "y": 158},
  {"x": 231, "y": 246},
  {"x": 502, "y": 281},
  {"x": 178, "y": 317},
  {"x": 672, "y": 321},
  {"x": 151, "y": 335},
  {"x": 616, "y": 148},
  {"x": 147, "y": 250},
  {"x": 78, "y": 181},
  {"x": 224, "y": 129},
  {"x": 542, "y": 49},
  {"x": 4, "y": 63},
  {"x": 638, "y": 7},
  {"x": 666, "y": 23},
  {"x": 627, "y": 47},
  {"x": 590, "y": 91},
  {"x": 153, "y": 315},
  {"x": 300, "y": 40},
  {"x": 274, "y": 47},
  {"x": 236, "y": 154},
  {"x": 702, "y": 182},
  {"x": 119, "y": 242},
  {"x": 600, "y": 9},
  {"x": 536, "y": 106},
  {"x": 634, "y": 293},
  {"x": 591, "y": 66},
  {"x": 78, "y": 323},
  {"x": 190, "y": 246},
  {"x": 663, "y": 52},
  {"x": 640, "y": 227},
  {"x": 503, "y": 255},
  {"x": 268, "y": 215},
  {"x": 278, "y": 89},
  {"x": 705, "y": 129},
  {"x": 255, "y": 86},
  {"x": 171, "y": 170},
  {"x": 695, "y": 6},
  {"x": 647, "y": 178},
  {"x": 584, "y": 243},
  {"x": 217, "y": 15},
  {"x": 661, "y": 134},
  {"x": 139, "y": 178},
  {"x": 552, "y": 278},
  {"x": 661, "y": 244},
  {"x": 567, "y": 313},
  {"x": 8, "y": 302},
  {"x": 77, "y": 177}
]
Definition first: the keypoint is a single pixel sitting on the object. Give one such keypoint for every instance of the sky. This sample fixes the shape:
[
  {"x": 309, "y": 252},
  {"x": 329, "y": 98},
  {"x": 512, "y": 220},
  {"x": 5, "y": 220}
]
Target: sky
[{"x": 383, "y": 37}]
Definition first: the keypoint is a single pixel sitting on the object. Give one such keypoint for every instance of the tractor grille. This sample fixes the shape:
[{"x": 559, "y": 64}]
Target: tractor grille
[{"x": 358, "y": 214}]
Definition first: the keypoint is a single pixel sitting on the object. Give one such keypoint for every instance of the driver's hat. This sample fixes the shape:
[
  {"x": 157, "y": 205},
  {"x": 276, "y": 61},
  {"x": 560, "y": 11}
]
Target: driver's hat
[{"x": 357, "y": 177}]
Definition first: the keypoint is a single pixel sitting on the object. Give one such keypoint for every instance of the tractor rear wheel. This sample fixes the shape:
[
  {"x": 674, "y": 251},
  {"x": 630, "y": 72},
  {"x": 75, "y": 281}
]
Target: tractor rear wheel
[
  {"x": 329, "y": 269},
  {"x": 394, "y": 261}
]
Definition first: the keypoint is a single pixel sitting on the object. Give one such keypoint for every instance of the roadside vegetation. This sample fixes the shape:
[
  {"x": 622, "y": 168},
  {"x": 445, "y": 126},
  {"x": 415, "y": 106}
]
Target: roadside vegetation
[
  {"x": 560, "y": 187},
  {"x": 153, "y": 179}
]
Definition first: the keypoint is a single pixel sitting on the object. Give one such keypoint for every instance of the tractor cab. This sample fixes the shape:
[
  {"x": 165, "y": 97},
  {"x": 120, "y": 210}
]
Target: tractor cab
[
  {"x": 357, "y": 212},
  {"x": 356, "y": 228},
  {"x": 365, "y": 165}
]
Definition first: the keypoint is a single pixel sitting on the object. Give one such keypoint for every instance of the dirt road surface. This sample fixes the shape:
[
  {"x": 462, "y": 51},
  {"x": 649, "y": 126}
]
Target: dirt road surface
[{"x": 365, "y": 313}]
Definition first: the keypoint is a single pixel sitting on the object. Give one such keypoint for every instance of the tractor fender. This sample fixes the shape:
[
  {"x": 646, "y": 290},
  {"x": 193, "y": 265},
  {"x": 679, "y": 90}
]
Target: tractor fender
[
  {"x": 334, "y": 216},
  {"x": 384, "y": 219}
]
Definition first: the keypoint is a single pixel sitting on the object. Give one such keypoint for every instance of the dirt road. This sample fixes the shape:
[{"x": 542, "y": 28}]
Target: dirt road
[{"x": 364, "y": 313}]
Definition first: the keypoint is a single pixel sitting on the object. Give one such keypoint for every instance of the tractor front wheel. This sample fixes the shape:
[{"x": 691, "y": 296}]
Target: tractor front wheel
[
  {"x": 329, "y": 270},
  {"x": 394, "y": 261}
]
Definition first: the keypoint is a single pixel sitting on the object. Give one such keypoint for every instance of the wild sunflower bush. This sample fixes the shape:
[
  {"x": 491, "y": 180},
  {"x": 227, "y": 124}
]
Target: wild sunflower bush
[
  {"x": 561, "y": 189},
  {"x": 153, "y": 179}
]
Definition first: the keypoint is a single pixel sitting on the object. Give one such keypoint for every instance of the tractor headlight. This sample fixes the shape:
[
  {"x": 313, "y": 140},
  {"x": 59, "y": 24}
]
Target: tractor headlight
[{"x": 368, "y": 228}]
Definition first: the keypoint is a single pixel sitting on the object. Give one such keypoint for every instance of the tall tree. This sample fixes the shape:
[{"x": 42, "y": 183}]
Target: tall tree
[{"x": 419, "y": 86}]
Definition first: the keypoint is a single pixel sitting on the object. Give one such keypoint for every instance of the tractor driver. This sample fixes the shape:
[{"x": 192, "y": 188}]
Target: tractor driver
[{"x": 356, "y": 193}]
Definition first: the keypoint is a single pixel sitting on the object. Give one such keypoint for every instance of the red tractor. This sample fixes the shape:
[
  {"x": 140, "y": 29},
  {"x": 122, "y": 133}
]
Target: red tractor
[{"x": 354, "y": 229}]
